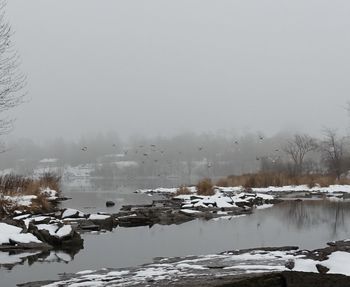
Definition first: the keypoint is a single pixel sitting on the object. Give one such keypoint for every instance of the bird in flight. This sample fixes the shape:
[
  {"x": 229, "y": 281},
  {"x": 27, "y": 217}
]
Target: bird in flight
[{"x": 84, "y": 148}]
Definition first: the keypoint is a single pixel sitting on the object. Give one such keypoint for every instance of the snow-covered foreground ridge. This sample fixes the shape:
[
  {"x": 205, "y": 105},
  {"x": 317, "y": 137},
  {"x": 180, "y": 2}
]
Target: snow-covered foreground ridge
[
  {"x": 232, "y": 263},
  {"x": 287, "y": 188}
]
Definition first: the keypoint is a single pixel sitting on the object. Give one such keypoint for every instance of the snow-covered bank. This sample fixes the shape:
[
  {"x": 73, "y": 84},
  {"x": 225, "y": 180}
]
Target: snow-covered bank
[{"x": 287, "y": 188}]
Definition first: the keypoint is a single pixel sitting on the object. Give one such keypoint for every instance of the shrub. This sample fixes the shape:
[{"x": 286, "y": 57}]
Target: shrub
[
  {"x": 50, "y": 180},
  {"x": 13, "y": 184},
  {"x": 6, "y": 207},
  {"x": 183, "y": 190},
  {"x": 41, "y": 204},
  {"x": 205, "y": 187}
]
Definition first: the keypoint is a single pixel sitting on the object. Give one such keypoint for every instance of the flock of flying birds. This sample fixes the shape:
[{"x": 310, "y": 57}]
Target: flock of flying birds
[{"x": 199, "y": 148}]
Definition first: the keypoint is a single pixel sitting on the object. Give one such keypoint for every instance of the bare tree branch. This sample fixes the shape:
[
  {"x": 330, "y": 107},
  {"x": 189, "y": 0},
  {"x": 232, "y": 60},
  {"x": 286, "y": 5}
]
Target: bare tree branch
[
  {"x": 297, "y": 148},
  {"x": 12, "y": 81},
  {"x": 333, "y": 152}
]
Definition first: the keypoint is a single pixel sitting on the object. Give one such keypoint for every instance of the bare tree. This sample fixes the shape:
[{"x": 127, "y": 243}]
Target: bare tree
[
  {"x": 297, "y": 148},
  {"x": 333, "y": 152},
  {"x": 12, "y": 80}
]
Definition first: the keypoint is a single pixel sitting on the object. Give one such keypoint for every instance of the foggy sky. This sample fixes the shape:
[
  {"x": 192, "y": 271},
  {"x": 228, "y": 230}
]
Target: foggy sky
[{"x": 162, "y": 67}]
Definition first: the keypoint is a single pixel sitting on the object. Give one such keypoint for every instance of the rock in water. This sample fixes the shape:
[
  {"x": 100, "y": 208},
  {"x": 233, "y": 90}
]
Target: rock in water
[{"x": 110, "y": 203}]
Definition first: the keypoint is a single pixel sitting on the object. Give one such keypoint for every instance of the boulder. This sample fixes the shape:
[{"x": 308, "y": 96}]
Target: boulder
[
  {"x": 64, "y": 237},
  {"x": 322, "y": 269},
  {"x": 110, "y": 203},
  {"x": 290, "y": 264}
]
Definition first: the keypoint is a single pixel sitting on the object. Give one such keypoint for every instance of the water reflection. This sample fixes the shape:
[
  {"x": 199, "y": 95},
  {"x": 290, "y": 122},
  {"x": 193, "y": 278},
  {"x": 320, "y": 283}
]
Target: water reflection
[
  {"x": 8, "y": 260},
  {"x": 304, "y": 214}
]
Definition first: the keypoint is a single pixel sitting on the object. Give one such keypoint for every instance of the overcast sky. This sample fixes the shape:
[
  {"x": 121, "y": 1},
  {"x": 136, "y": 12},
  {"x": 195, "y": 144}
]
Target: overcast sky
[{"x": 162, "y": 67}]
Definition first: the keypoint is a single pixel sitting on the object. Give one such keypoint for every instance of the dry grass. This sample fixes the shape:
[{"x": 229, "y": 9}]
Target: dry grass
[
  {"x": 183, "y": 190},
  {"x": 205, "y": 187},
  {"x": 41, "y": 204},
  {"x": 50, "y": 180},
  {"x": 6, "y": 207},
  {"x": 17, "y": 185},
  {"x": 266, "y": 179}
]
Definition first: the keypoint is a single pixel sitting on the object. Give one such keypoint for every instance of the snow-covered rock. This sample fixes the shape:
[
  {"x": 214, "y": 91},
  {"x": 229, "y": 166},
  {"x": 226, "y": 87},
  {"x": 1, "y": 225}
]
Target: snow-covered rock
[
  {"x": 10, "y": 232},
  {"x": 72, "y": 213},
  {"x": 224, "y": 200}
]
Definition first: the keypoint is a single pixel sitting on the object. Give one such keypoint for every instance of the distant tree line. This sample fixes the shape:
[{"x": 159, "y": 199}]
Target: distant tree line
[{"x": 188, "y": 154}]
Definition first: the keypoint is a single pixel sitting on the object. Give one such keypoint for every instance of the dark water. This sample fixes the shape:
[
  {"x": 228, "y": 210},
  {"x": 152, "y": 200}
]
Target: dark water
[{"x": 308, "y": 224}]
